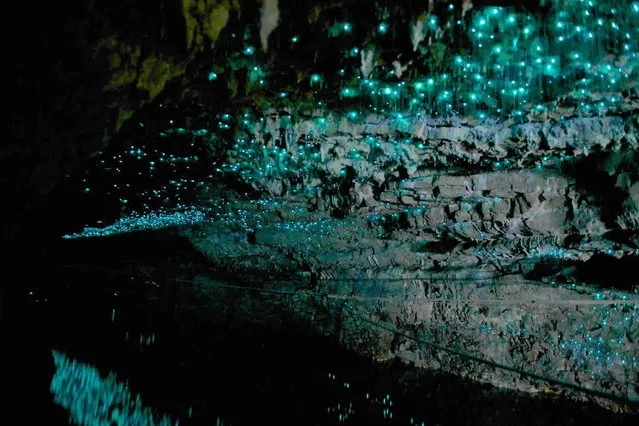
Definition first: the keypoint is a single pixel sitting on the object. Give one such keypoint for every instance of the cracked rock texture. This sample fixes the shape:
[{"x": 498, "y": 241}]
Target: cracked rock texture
[
  {"x": 514, "y": 258},
  {"x": 501, "y": 250}
]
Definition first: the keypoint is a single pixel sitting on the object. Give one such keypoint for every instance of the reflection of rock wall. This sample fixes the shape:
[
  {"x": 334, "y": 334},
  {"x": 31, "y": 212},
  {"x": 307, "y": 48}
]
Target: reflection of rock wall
[
  {"x": 91, "y": 399},
  {"x": 483, "y": 250}
]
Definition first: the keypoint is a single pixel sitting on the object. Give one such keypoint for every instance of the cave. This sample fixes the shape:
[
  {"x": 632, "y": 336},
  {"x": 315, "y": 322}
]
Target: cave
[{"x": 225, "y": 212}]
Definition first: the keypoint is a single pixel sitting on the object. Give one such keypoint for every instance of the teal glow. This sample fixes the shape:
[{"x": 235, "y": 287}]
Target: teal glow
[
  {"x": 94, "y": 400},
  {"x": 348, "y": 92},
  {"x": 152, "y": 221}
]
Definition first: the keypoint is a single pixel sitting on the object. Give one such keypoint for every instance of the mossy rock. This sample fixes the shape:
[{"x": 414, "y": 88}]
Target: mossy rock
[{"x": 205, "y": 20}]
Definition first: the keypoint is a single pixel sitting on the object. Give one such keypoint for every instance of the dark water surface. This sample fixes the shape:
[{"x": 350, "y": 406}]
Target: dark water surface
[{"x": 205, "y": 367}]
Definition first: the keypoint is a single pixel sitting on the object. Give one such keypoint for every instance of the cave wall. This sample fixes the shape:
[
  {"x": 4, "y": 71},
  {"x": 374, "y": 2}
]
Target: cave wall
[
  {"x": 376, "y": 156},
  {"x": 88, "y": 67}
]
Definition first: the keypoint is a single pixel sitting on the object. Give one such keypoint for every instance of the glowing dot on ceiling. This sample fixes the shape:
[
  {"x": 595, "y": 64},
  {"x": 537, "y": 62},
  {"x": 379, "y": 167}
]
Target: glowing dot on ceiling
[{"x": 348, "y": 91}]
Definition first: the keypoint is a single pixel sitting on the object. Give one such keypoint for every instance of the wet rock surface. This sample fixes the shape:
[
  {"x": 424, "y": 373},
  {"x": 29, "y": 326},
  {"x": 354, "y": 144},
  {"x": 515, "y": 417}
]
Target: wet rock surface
[
  {"x": 496, "y": 264},
  {"x": 432, "y": 202}
]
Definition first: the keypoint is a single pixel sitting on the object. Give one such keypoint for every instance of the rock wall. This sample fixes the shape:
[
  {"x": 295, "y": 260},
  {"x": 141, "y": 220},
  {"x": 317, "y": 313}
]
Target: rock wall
[
  {"x": 451, "y": 185},
  {"x": 495, "y": 262}
]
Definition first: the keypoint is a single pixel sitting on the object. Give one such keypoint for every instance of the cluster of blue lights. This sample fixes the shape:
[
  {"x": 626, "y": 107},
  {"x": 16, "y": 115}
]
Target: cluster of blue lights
[
  {"x": 518, "y": 64},
  {"x": 148, "y": 222},
  {"x": 607, "y": 345}
]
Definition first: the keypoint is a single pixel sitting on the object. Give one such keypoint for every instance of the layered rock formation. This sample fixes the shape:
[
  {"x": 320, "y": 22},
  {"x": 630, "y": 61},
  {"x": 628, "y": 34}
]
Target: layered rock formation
[
  {"x": 452, "y": 186},
  {"x": 493, "y": 263}
]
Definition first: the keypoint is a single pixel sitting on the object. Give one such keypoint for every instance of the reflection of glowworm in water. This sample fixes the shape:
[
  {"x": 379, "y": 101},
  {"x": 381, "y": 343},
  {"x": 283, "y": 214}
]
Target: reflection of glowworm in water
[{"x": 92, "y": 400}]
